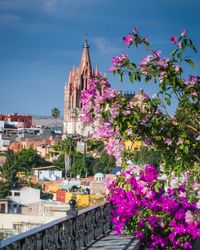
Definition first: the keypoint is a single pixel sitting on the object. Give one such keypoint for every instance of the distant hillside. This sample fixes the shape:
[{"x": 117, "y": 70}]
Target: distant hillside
[{"x": 39, "y": 120}]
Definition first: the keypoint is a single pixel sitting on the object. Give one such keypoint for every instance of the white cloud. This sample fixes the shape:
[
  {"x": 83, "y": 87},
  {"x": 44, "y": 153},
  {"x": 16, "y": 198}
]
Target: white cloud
[
  {"x": 9, "y": 18},
  {"x": 105, "y": 47}
]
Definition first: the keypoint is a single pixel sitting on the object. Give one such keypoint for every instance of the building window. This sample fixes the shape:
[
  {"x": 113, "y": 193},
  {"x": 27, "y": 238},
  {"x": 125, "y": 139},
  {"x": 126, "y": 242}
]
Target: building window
[
  {"x": 17, "y": 226},
  {"x": 16, "y": 193}
]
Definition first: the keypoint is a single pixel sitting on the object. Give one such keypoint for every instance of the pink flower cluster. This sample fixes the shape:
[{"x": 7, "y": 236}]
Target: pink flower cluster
[
  {"x": 133, "y": 37},
  {"x": 104, "y": 131},
  {"x": 191, "y": 81},
  {"x": 115, "y": 147},
  {"x": 96, "y": 94},
  {"x": 94, "y": 109},
  {"x": 173, "y": 39},
  {"x": 118, "y": 62},
  {"x": 159, "y": 219}
]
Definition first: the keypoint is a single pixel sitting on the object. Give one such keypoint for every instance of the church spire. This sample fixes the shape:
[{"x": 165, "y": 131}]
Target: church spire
[
  {"x": 70, "y": 75},
  {"x": 85, "y": 63},
  {"x": 97, "y": 70},
  {"x": 86, "y": 45}
]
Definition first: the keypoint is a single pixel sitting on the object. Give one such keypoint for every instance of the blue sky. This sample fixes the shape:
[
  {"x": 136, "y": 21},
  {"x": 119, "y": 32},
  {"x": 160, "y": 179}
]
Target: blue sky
[{"x": 41, "y": 39}]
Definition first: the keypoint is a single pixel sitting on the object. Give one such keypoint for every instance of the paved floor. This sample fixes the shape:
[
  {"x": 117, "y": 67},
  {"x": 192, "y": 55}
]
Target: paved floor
[{"x": 116, "y": 242}]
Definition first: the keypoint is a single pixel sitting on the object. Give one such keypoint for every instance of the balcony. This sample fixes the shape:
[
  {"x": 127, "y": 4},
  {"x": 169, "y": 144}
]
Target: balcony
[{"x": 88, "y": 229}]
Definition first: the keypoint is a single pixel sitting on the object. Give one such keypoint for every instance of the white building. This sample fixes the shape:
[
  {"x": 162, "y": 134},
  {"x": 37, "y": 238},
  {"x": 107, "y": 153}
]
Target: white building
[
  {"x": 4, "y": 143},
  {"x": 2, "y": 126},
  {"x": 21, "y": 197},
  {"x": 99, "y": 177},
  {"x": 51, "y": 173}
]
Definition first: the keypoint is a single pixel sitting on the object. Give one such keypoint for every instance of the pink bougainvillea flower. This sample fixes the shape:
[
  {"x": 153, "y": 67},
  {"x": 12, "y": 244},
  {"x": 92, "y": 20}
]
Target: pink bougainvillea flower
[
  {"x": 168, "y": 141},
  {"x": 198, "y": 138},
  {"x": 154, "y": 95},
  {"x": 118, "y": 61},
  {"x": 192, "y": 80},
  {"x": 163, "y": 62},
  {"x": 145, "y": 61},
  {"x": 189, "y": 218},
  {"x": 157, "y": 52},
  {"x": 128, "y": 39},
  {"x": 147, "y": 140},
  {"x": 179, "y": 45},
  {"x": 183, "y": 32},
  {"x": 173, "y": 39},
  {"x": 112, "y": 69},
  {"x": 177, "y": 68}
]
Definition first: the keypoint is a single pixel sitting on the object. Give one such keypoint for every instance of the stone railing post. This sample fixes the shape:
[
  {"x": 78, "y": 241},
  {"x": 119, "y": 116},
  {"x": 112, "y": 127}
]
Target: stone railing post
[{"x": 73, "y": 211}]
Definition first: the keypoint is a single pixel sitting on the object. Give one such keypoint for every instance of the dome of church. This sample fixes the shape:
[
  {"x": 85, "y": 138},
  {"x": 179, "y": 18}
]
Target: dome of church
[{"x": 140, "y": 98}]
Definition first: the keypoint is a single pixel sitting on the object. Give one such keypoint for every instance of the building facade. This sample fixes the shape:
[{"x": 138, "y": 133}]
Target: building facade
[
  {"x": 78, "y": 78},
  {"x": 16, "y": 120}
]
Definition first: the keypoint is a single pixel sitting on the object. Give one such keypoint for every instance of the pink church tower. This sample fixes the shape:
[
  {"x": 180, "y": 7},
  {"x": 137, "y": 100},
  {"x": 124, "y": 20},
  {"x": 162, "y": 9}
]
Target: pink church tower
[{"x": 77, "y": 81}]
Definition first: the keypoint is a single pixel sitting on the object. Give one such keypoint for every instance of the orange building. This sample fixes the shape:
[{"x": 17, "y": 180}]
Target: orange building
[{"x": 42, "y": 146}]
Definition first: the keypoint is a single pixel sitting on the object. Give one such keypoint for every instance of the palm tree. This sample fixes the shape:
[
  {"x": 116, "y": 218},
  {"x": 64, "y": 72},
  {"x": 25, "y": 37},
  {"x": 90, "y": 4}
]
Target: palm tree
[
  {"x": 66, "y": 146},
  {"x": 55, "y": 113}
]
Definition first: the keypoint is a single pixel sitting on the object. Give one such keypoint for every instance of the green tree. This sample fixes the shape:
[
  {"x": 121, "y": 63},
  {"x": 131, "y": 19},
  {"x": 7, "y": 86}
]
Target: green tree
[
  {"x": 104, "y": 164},
  {"x": 27, "y": 159},
  {"x": 60, "y": 162},
  {"x": 147, "y": 156},
  {"x": 94, "y": 161},
  {"x": 66, "y": 147},
  {"x": 55, "y": 113},
  {"x": 23, "y": 161},
  {"x": 80, "y": 165},
  {"x": 4, "y": 189}
]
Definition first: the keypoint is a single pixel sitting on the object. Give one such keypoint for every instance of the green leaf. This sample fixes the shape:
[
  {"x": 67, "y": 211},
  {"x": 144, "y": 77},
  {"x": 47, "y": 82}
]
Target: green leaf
[
  {"x": 186, "y": 149},
  {"x": 179, "y": 56},
  {"x": 157, "y": 187},
  {"x": 192, "y": 46},
  {"x": 174, "y": 52},
  {"x": 168, "y": 101},
  {"x": 157, "y": 101},
  {"x": 131, "y": 77},
  {"x": 134, "y": 65},
  {"x": 121, "y": 77},
  {"x": 129, "y": 125},
  {"x": 129, "y": 66},
  {"x": 184, "y": 43},
  {"x": 189, "y": 61},
  {"x": 139, "y": 77}
]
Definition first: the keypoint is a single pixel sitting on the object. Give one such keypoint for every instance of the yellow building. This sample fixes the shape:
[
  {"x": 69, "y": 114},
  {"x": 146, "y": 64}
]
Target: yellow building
[
  {"x": 52, "y": 187},
  {"x": 83, "y": 200},
  {"x": 133, "y": 146}
]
